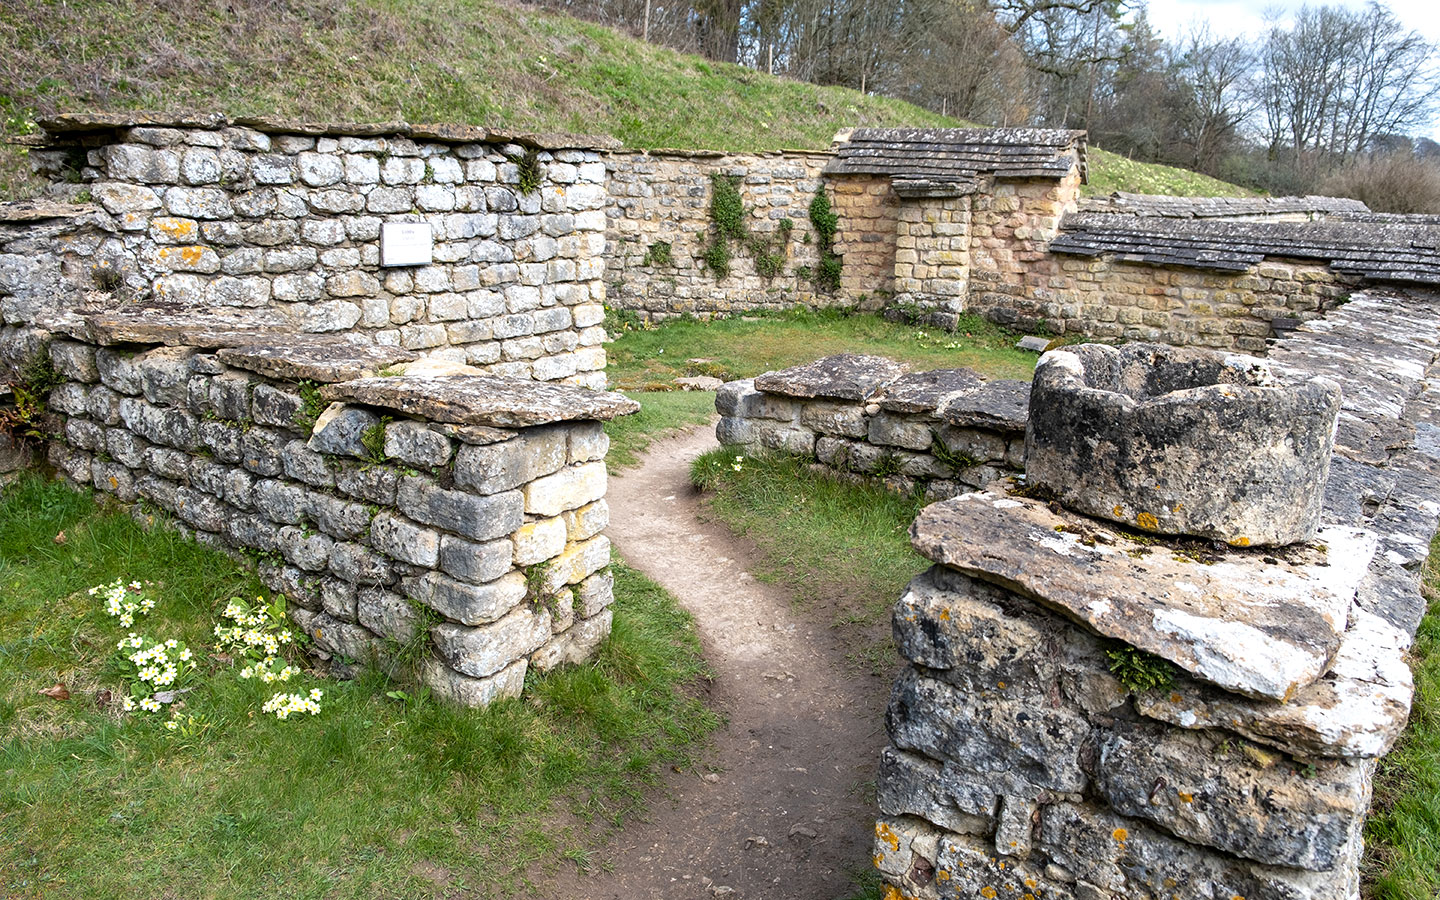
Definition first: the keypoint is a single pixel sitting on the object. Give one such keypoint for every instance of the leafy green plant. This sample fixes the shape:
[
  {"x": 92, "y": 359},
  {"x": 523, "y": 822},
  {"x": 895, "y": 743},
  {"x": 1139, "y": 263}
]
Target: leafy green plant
[
  {"x": 1140, "y": 671},
  {"x": 826, "y": 222},
  {"x": 30, "y": 392},
  {"x": 953, "y": 460},
  {"x": 717, "y": 258},
  {"x": 311, "y": 406},
  {"x": 529, "y": 171},
  {"x": 727, "y": 214},
  {"x": 888, "y": 464},
  {"x": 658, "y": 254},
  {"x": 372, "y": 440}
]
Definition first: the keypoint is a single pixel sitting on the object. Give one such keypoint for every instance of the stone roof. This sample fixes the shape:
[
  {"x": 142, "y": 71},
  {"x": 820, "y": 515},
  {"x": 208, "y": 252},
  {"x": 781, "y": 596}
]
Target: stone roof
[
  {"x": 959, "y": 154},
  {"x": 66, "y": 126},
  {"x": 1402, "y": 252},
  {"x": 1221, "y": 207}
]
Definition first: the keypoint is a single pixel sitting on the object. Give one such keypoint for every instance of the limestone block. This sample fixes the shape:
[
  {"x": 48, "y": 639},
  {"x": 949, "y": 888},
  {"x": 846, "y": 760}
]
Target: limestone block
[
  {"x": 539, "y": 540},
  {"x": 165, "y": 374},
  {"x": 416, "y": 444},
  {"x": 843, "y": 419},
  {"x": 451, "y": 686},
  {"x": 480, "y": 518},
  {"x": 386, "y": 613},
  {"x": 360, "y": 565},
  {"x": 75, "y": 361},
  {"x": 404, "y": 540},
  {"x": 305, "y": 465},
  {"x": 577, "y": 563},
  {"x": 340, "y": 430},
  {"x": 984, "y": 737},
  {"x": 587, "y": 521},
  {"x": 475, "y": 563},
  {"x": 117, "y": 371},
  {"x": 479, "y": 652},
  {"x": 911, "y": 785},
  {"x": 336, "y": 517},
  {"x": 595, "y": 593},
  {"x": 569, "y": 488},
  {"x": 373, "y": 484},
  {"x": 891, "y": 430},
  {"x": 574, "y": 645}
]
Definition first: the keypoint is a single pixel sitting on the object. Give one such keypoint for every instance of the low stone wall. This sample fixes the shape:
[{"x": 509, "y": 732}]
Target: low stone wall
[
  {"x": 942, "y": 432},
  {"x": 438, "y": 498},
  {"x": 1022, "y": 763},
  {"x": 1110, "y": 299},
  {"x": 288, "y": 218}
]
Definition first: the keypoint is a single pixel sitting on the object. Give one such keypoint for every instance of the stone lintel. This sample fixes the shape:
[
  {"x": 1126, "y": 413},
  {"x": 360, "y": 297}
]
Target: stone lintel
[
  {"x": 169, "y": 324},
  {"x": 308, "y": 359},
  {"x": 845, "y": 376},
  {"x": 923, "y": 392},
  {"x": 1261, "y": 626},
  {"x": 483, "y": 400},
  {"x": 999, "y": 405}
]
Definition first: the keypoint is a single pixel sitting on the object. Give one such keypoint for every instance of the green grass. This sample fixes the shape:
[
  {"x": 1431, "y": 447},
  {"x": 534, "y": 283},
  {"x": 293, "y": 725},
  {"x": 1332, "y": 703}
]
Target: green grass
[
  {"x": 480, "y": 61},
  {"x": 842, "y": 546},
  {"x": 1110, "y": 172},
  {"x": 650, "y": 359},
  {"x": 1403, "y": 835},
  {"x": 375, "y": 797},
  {"x": 661, "y": 413}
]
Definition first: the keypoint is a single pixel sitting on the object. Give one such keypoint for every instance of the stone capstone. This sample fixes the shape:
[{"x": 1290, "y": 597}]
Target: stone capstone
[
  {"x": 1180, "y": 441},
  {"x": 483, "y": 400},
  {"x": 845, "y": 376},
  {"x": 1254, "y": 627}
]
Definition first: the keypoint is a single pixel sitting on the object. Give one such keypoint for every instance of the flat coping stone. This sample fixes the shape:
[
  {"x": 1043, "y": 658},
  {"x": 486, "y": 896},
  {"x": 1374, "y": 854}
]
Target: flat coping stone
[
  {"x": 845, "y": 376},
  {"x": 1254, "y": 624},
  {"x": 170, "y": 324},
  {"x": 308, "y": 359},
  {"x": 483, "y": 400},
  {"x": 923, "y": 392},
  {"x": 1002, "y": 405}
]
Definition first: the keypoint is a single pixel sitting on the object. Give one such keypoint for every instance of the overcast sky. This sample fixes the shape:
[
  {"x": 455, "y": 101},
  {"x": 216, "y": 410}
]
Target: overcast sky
[{"x": 1173, "y": 18}]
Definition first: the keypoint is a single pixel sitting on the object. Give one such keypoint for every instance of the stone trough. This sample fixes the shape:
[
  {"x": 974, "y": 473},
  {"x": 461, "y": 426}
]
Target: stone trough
[{"x": 1183, "y": 442}]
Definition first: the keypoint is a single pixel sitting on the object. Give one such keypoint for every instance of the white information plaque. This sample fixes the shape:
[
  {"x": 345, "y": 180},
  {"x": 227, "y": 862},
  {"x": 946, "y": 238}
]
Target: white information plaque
[{"x": 405, "y": 244}]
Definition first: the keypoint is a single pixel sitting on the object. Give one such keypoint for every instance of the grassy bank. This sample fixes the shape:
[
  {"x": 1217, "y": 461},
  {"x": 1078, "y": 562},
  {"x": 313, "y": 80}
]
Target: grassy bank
[
  {"x": 479, "y": 61},
  {"x": 384, "y": 793}
]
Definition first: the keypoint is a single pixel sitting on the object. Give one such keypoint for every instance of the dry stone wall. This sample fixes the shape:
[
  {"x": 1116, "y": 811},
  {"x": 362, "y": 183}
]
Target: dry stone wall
[
  {"x": 942, "y": 432},
  {"x": 226, "y": 216},
  {"x": 660, "y": 225},
  {"x": 1031, "y": 756},
  {"x": 436, "y": 505}
]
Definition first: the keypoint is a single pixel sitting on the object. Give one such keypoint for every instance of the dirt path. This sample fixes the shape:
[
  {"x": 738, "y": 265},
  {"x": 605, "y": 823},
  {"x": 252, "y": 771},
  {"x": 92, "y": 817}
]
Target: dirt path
[{"x": 787, "y": 807}]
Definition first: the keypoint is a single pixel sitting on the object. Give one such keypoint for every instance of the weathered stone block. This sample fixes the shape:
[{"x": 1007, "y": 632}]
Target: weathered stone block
[
  {"x": 416, "y": 444},
  {"x": 534, "y": 542},
  {"x": 569, "y": 488},
  {"x": 587, "y": 521},
  {"x": 470, "y": 604},
  {"x": 483, "y": 651},
  {"x": 341, "y": 430},
  {"x": 404, "y": 540},
  {"x": 491, "y": 468},
  {"x": 475, "y": 563},
  {"x": 387, "y": 614},
  {"x": 473, "y": 692},
  {"x": 480, "y": 518}
]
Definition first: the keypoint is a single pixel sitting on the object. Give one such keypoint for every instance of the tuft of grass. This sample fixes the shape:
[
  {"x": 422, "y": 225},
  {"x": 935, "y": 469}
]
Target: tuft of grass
[
  {"x": 1402, "y": 836},
  {"x": 748, "y": 346},
  {"x": 1140, "y": 671},
  {"x": 829, "y": 542},
  {"x": 370, "y": 798},
  {"x": 661, "y": 413}
]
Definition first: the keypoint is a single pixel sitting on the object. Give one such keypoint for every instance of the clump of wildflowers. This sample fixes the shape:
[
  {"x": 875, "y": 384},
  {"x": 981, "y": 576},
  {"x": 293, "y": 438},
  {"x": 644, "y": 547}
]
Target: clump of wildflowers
[
  {"x": 258, "y": 632},
  {"x": 153, "y": 669},
  {"x": 283, "y": 705},
  {"x": 123, "y": 601},
  {"x": 269, "y": 670}
]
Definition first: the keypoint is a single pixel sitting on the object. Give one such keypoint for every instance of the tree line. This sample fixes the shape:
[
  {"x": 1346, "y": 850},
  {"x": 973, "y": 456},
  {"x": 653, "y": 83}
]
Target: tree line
[{"x": 1329, "y": 99}]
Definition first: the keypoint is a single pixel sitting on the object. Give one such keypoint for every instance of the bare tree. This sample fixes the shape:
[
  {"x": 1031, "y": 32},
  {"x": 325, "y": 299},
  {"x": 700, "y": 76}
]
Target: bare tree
[{"x": 1217, "y": 74}]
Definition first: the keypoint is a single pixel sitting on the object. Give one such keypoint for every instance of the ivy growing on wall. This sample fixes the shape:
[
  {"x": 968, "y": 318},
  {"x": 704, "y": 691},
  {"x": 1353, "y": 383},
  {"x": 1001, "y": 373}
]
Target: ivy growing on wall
[
  {"x": 727, "y": 212},
  {"x": 826, "y": 222}
]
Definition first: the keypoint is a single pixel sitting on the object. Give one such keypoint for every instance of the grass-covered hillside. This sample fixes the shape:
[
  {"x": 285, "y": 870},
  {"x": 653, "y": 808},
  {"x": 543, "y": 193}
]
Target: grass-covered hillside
[{"x": 484, "y": 62}]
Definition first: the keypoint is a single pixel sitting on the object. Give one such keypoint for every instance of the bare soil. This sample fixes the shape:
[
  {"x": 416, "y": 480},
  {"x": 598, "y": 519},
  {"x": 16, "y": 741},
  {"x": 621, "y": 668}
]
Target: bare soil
[{"x": 784, "y": 804}]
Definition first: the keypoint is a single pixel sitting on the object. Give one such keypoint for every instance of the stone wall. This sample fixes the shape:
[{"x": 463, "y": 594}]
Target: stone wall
[
  {"x": 1111, "y": 299},
  {"x": 437, "y": 498},
  {"x": 237, "y": 217},
  {"x": 661, "y": 200},
  {"x": 942, "y": 432},
  {"x": 1022, "y": 765},
  {"x": 868, "y": 236}
]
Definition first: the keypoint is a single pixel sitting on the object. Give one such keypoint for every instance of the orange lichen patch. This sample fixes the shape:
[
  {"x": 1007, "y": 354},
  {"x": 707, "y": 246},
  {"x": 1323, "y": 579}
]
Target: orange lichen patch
[
  {"x": 192, "y": 255},
  {"x": 1121, "y": 835},
  {"x": 1118, "y": 512},
  {"x": 180, "y": 229},
  {"x": 987, "y": 892},
  {"x": 1147, "y": 521},
  {"x": 114, "y": 483},
  {"x": 1002, "y": 685},
  {"x": 1186, "y": 798},
  {"x": 942, "y": 876},
  {"x": 944, "y": 615},
  {"x": 1030, "y": 883},
  {"x": 1241, "y": 541},
  {"x": 891, "y": 893},
  {"x": 1174, "y": 698},
  {"x": 887, "y": 837},
  {"x": 879, "y": 858}
]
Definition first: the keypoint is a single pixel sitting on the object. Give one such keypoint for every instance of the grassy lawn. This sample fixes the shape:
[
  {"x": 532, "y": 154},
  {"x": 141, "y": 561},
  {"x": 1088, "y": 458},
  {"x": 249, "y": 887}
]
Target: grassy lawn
[
  {"x": 1403, "y": 835},
  {"x": 1110, "y": 172},
  {"x": 741, "y": 347},
  {"x": 382, "y": 794}
]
